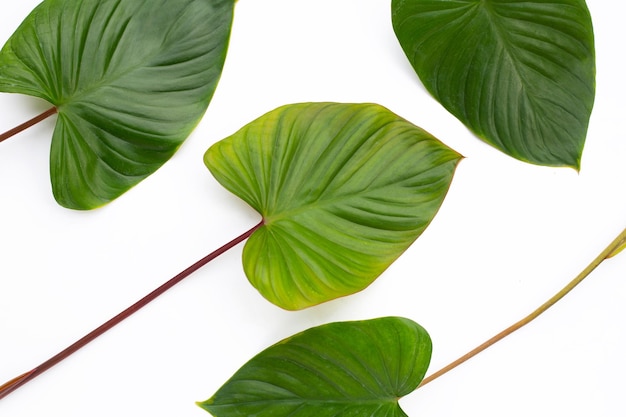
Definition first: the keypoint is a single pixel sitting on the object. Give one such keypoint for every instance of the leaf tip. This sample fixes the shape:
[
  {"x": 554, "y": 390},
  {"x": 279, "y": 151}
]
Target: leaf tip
[
  {"x": 204, "y": 404},
  {"x": 575, "y": 163}
]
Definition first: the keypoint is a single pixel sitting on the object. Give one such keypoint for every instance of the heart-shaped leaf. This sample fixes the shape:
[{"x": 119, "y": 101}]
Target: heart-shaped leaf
[
  {"x": 343, "y": 189},
  {"x": 356, "y": 368},
  {"x": 519, "y": 74},
  {"x": 130, "y": 80}
]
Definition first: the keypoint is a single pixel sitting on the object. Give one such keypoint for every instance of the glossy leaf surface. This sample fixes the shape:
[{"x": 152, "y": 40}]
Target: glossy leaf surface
[
  {"x": 343, "y": 189},
  {"x": 130, "y": 80},
  {"x": 340, "y": 369},
  {"x": 519, "y": 74}
]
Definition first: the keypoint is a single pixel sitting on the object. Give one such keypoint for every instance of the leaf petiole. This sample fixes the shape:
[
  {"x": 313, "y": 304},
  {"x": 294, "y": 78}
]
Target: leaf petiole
[
  {"x": 611, "y": 250},
  {"x": 6, "y": 135},
  {"x": 17, "y": 382},
  {"x": 620, "y": 247}
]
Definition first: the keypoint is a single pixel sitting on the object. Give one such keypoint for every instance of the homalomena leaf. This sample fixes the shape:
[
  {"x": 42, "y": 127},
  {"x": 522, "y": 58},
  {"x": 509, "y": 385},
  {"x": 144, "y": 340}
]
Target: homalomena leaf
[
  {"x": 519, "y": 74},
  {"x": 343, "y": 189},
  {"x": 130, "y": 80},
  {"x": 355, "y": 369}
]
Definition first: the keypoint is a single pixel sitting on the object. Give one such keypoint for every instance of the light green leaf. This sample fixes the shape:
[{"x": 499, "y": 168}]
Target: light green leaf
[
  {"x": 519, "y": 74},
  {"x": 130, "y": 79},
  {"x": 343, "y": 369},
  {"x": 343, "y": 189}
]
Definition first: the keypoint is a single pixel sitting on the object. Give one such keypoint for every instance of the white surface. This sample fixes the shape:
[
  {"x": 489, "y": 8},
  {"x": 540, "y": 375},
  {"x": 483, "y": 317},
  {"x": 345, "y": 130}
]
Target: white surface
[{"x": 508, "y": 236}]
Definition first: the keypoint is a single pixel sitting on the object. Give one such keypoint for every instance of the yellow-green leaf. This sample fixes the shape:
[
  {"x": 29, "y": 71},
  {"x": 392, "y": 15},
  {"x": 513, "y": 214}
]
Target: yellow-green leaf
[{"x": 344, "y": 189}]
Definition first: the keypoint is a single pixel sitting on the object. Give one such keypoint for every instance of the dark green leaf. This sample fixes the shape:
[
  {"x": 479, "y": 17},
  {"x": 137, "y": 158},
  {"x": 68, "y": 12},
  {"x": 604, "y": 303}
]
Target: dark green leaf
[
  {"x": 130, "y": 79},
  {"x": 520, "y": 74},
  {"x": 343, "y": 190},
  {"x": 340, "y": 369}
]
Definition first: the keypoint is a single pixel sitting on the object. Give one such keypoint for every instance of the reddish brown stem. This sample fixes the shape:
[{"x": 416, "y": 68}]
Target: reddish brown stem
[
  {"x": 17, "y": 382},
  {"x": 31, "y": 122}
]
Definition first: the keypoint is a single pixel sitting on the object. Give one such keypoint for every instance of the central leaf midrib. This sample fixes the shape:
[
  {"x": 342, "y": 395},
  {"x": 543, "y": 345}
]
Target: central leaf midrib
[
  {"x": 503, "y": 40},
  {"x": 105, "y": 82},
  {"x": 321, "y": 203},
  {"x": 111, "y": 79},
  {"x": 352, "y": 401}
]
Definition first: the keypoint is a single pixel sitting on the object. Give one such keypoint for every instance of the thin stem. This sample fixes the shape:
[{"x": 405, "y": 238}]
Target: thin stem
[
  {"x": 610, "y": 250},
  {"x": 619, "y": 247},
  {"x": 31, "y": 122},
  {"x": 17, "y": 382}
]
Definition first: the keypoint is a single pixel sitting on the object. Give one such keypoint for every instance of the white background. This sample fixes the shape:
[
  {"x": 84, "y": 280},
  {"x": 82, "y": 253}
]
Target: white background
[{"x": 508, "y": 236}]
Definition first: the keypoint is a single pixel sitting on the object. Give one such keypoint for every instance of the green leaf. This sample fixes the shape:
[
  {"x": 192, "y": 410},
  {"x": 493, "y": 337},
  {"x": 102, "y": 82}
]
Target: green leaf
[
  {"x": 519, "y": 74},
  {"x": 343, "y": 189},
  {"x": 130, "y": 78},
  {"x": 356, "y": 368}
]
